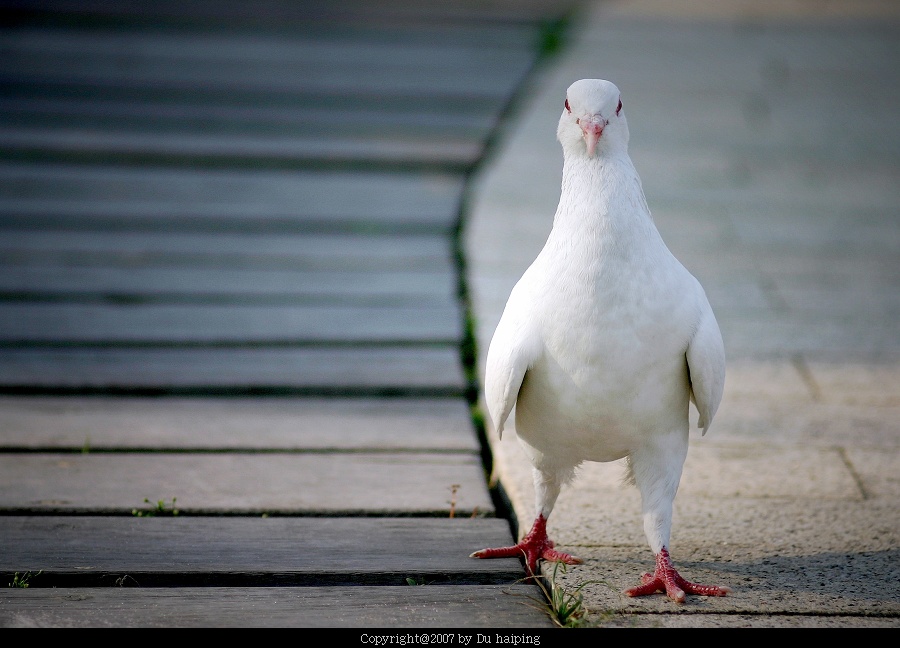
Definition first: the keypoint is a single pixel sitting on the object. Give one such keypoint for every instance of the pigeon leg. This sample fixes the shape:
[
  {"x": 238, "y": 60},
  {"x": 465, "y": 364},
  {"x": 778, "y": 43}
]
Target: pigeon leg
[
  {"x": 666, "y": 579},
  {"x": 534, "y": 546}
]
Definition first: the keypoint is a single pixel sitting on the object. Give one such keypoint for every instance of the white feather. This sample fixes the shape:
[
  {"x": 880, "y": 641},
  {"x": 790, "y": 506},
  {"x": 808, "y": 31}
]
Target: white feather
[{"x": 606, "y": 338}]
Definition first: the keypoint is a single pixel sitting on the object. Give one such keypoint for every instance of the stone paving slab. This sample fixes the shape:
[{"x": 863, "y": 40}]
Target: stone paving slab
[{"x": 784, "y": 207}]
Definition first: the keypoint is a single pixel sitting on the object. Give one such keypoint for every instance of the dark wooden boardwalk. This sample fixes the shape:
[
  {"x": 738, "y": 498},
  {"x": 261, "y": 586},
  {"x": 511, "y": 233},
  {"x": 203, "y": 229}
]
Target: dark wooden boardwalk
[{"x": 231, "y": 289}]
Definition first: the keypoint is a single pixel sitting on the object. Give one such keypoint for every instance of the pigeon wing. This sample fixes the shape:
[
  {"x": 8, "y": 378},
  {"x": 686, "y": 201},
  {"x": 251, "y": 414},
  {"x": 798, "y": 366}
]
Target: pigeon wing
[
  {"x": 706, "y": 366},
  {"x": 513, "y": 349}
]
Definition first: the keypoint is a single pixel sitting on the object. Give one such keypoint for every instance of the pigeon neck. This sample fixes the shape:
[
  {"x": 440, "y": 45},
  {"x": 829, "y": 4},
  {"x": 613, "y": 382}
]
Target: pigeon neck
[{"x": 595, "y": 189}]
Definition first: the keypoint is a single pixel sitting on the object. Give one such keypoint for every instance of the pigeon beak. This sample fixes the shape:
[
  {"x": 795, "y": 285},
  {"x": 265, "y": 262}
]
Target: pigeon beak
[{"x": 592, "y": 127}]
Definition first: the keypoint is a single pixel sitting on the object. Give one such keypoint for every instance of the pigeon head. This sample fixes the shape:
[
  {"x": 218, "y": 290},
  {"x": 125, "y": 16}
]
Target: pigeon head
[{"x": 592, "y": 119}]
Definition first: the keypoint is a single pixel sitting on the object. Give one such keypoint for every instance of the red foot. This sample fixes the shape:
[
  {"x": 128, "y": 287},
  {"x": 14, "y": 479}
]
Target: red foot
[
  {"x": 669, "y": 581},
  {"x": 534, "y": 546}
]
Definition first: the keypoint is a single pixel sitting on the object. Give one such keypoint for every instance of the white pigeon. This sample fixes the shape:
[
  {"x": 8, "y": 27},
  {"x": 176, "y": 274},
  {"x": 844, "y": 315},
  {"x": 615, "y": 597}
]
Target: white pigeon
[{"x": 604, "y": 341}]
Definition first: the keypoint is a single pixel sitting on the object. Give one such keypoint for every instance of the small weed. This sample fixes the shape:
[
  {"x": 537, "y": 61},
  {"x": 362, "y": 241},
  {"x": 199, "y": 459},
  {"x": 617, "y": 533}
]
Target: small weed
[
  {"x": 453, "y": 489},
  {"x": 477, "y": 417},
  {"x": 21, "y": 580},
  {"x": 156, "y": 509},
  {"x": 415, "y": 581},
  {"x": 552, "y": 36},
  {"x": 565, "y": 607},
  {"x": 86, "y": 448}
]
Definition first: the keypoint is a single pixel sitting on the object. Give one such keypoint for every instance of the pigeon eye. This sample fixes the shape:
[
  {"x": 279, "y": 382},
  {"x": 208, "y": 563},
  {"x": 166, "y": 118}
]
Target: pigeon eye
[
  {"x": 567, "y": 105},
  {"x": 618, "y": 108}
]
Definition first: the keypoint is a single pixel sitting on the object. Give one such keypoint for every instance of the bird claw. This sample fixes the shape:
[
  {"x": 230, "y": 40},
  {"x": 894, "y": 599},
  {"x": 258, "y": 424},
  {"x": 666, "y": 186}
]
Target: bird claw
[
  {"x": 532, "y": 554},
  {"x": 498, "y": 552},
  {"x": 533, "y": 547},
  {"x": 666, "y": 579},
  {"x": 654, "y": 585},
  {"x": 558, "y": 556}
]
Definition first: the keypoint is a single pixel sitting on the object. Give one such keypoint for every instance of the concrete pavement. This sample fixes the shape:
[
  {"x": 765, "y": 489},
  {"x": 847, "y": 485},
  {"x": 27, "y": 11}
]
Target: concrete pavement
[{"x": 766, "y": 138}]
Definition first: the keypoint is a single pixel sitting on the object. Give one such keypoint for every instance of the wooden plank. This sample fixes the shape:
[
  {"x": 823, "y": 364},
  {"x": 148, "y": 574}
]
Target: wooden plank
[
  {"x": 482, "y": 607},
  {"x": 381, "y": 370},
  {"x": 412, "y": 16},
  {"x": 263, "y": 64},
  {"x": 30, "y": 105},
  {"x": 242, "y": 62},
  {"x": 187, "y": 199},
  {"x": 111, "y": 51},
  {"x": 229, "y": 324},
  {"x": 308, "y": 251},
  {"x": 257, "y": 551},
  {"x": 190, "y": 80},
  {"x": 100, "y": 282},
  {"x": 382, "y": 483},
  {"x": 403, "y": 100},
  {"x": 299, "y": 104},
  {"x": 281, "y": 151},
  {"x": 361, "y": 424}
]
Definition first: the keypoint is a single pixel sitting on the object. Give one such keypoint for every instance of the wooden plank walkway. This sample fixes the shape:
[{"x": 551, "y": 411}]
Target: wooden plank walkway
[{"x": 235, "y": 358}]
